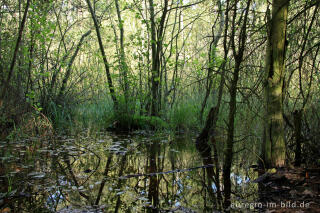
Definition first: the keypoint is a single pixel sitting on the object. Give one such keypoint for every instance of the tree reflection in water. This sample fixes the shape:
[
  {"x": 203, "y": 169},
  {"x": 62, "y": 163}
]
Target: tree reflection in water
[{"x": 119, "y": 173}]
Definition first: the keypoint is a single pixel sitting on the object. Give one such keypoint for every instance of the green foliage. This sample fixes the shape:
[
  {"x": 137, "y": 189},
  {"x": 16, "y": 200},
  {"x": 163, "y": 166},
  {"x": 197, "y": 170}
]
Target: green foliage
[
  {"x": 184, "y": 116},
  {"x": 152, "y": 122},
  {"x": 126, "y": 121},
  {"x": 93, "y": 115},
  {"x": 60, "y": 115},
  {"x": 100, "y": 115}
]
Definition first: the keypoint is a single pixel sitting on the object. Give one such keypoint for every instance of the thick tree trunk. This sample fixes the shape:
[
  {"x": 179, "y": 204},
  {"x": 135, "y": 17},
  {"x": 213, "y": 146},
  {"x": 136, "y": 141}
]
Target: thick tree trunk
[{"x": 275, "y": 150}]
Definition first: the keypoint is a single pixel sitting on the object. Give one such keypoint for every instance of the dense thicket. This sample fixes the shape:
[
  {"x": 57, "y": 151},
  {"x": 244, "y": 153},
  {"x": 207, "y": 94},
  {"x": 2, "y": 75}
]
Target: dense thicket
[{"x": 243, "y": 73}]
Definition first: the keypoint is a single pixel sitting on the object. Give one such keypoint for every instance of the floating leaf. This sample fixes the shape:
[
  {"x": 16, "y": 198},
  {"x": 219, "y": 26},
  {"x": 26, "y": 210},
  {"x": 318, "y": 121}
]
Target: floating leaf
[
  {"x": 120, "y": 193},
  {"x": 143, "y": 198},
  {"x": 37, "y": 174}
]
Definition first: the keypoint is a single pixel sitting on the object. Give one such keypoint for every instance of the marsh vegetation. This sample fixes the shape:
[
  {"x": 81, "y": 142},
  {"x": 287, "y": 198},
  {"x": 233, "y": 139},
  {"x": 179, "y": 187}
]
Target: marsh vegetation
[{"x": 158, "y": 105}]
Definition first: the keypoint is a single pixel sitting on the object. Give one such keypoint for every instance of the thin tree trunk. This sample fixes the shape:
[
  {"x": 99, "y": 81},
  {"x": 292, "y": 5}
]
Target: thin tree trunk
[
  {"x": 211, "y": 57},
  {"x": 301, "y": 58},
  {"x": 297, "y": 131},
  {"x": 14, "y": 58},
  {"x": 155, "y": 62},
  {"x": 105, "y": 174},
  {"x": 123, "y": 63},
  {"x": 153, "y": 193},
  {"x": 156, "y": 46},
  {"x": 1, "y": 62},
  {"x": 106, "y": 64},
  {"x": 68, "y": 72},
  {"x": 175, "y": 72},
  {"x": 238, "y": 56},
  {"x": 123, "y": 164},
  {"x": 31, "y": 49},
  {"x": 212, "y": 118}
]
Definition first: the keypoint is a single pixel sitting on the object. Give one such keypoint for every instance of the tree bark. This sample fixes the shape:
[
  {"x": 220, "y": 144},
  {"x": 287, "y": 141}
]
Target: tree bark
[
  {"x": 156, "y": 46},
  {"x": 153, "y": 192},
  {"x": 14, "y": 58},
  {"x": 68, "y": 72},
  {"x": 209, "y": 129},
  {"x": 297, "y": 115},
  {"x": 275, "y": 150},
  {"x": 212, "y": 58},
  {"x": 123, "y": 63},
  {"x": 106, "y": 64},
  {"x": 238, "y": 56}
]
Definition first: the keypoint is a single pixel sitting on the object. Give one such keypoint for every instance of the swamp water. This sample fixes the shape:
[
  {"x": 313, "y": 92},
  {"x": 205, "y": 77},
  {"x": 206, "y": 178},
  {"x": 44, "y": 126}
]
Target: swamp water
[{"x": 114, "y": 173}]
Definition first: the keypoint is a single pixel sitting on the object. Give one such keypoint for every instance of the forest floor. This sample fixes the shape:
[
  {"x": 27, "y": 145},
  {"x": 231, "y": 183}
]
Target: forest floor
[{"x": 290, "y": 190}]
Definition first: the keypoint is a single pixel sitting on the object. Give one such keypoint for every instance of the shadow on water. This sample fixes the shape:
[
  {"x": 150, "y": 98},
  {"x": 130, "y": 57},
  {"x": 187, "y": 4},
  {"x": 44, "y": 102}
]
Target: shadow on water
[{"x": 113, "y": 173}]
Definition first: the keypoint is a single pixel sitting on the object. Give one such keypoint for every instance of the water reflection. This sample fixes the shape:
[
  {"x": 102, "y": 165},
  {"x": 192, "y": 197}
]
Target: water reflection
[{"x": 121, "y": 173}]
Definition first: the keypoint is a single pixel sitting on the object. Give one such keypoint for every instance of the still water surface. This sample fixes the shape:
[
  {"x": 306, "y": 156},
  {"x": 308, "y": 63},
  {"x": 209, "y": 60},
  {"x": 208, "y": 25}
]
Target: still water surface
[{"x": 140, "y": 172}]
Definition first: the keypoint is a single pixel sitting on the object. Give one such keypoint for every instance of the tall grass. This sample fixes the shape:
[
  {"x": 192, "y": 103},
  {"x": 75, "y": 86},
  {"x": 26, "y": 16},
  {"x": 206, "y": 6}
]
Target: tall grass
[
  {"x": 185, "y": 115},
  {"x": 95, "y": 115},
  {"x": 99, "y": 115},
  {"x": 60, "y": 115}
]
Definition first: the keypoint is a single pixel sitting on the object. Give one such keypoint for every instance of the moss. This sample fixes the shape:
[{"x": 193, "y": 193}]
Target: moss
[{"x": 126, "y": 122}]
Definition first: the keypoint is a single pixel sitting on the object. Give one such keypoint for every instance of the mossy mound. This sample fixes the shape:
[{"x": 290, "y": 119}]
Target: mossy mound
[{"x": 125, "y": 122}]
